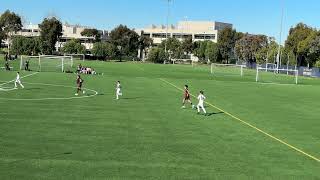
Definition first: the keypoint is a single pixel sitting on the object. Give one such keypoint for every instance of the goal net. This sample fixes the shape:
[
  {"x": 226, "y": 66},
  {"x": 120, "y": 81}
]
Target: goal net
[
  {"x": 46, "y": 63},
  {"x": 77, "y": 56},
  {"x": 227, "y": 69},
  {"x": 280, "y": 76}
]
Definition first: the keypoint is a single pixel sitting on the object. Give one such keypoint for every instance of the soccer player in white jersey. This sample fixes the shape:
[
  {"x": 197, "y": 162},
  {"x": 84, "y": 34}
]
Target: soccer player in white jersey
[
  {"x": 18, "y": 81},
  {"x": 118, "y": 90},
  {"x": 200, "y": 105}
]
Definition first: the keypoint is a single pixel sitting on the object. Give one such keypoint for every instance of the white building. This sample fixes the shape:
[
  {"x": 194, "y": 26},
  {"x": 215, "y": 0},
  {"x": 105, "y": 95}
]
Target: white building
[
  {"x": 197, "y": 30},
  {"x": 68, "y": 32}
]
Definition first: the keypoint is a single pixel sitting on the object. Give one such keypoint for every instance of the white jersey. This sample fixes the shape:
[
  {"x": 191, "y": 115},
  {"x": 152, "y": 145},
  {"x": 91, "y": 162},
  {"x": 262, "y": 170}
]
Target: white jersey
[
  {"x": 201, "y": 98},
  {"x": 118, "y": 86},
  {"x": 18, "y": 77}
]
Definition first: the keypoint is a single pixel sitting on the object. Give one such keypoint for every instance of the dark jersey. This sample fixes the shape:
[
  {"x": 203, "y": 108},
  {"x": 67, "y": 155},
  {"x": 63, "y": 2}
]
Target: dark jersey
[
  {"x": 79, "y": 81},
  {"x": 186, "y": 94}
]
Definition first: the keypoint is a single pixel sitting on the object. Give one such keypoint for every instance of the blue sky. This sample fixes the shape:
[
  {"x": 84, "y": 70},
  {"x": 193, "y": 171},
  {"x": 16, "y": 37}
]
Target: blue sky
[{"x": 253, "y": 16}]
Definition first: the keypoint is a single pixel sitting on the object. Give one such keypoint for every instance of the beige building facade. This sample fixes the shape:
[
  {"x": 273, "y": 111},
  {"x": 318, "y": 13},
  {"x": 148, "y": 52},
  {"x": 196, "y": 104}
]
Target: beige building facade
[
  {"x": 197, "y": 30},
  {"x": 68, "y": 32}
]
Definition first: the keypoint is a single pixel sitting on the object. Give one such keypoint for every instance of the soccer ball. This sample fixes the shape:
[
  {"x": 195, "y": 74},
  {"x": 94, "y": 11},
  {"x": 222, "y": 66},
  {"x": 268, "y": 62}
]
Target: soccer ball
[{"x": 83, "y": 92}]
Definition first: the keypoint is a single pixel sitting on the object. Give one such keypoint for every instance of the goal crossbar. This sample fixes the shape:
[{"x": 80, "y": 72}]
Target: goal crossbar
[
  {"x": 296, "y": 72},
  {"x": 41, "y": 57},
  {"x": 227, "y": 65}
]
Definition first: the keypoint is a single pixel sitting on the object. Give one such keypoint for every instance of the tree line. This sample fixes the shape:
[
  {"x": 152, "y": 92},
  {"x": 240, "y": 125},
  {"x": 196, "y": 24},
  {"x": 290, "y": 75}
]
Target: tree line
[{"x": 302, "y": 46}]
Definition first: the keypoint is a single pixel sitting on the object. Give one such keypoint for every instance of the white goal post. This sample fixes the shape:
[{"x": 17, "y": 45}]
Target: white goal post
[
  {"x": 286, "y": 72},
  {"x": 47, "y": 62},
  {"x": 75, "y": 56},
  {"x": 225, "y": 67}
]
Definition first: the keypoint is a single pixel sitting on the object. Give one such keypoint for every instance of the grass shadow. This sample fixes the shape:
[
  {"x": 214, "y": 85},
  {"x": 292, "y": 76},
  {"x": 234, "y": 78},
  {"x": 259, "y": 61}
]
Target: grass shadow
[
  {"x": 214, "y": 113},
  {"x": 131, "y": 98}
]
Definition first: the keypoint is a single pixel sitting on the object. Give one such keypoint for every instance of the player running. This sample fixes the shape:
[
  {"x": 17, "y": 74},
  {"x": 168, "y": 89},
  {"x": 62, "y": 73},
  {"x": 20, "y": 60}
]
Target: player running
[
  {"x": 18, "y": 81},
  {"x": 201, "y": 99},
  {"x": 118, "y": 90},
  {"x": 187, "y": 97},
  {"x": 79, "y": 85}
]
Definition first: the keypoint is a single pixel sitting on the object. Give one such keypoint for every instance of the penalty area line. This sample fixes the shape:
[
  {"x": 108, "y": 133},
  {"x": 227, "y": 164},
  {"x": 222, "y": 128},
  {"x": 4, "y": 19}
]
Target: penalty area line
[{"x": 251, "y": 126}]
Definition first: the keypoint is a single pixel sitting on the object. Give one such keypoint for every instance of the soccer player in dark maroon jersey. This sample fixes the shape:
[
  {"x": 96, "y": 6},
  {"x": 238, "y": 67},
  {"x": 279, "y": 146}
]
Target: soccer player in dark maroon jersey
[
  {"x": 186, "y": 97},
  {"x": 79, "y": 85}
]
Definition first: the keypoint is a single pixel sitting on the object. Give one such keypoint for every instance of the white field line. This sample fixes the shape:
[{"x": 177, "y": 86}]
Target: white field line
[
  {"x": 253, "y": 127},
  {"x": 54, "y": 98},
  {"x": 20, "y": 78}
]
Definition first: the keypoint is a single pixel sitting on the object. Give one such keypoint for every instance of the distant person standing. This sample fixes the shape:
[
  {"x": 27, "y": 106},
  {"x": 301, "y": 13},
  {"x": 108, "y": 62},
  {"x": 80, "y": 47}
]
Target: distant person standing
[
  {"x": 6, "y": 57},
  {"x": 18, "y": 81},
  {"x": 7, "y": 66},
  {"x": 26, "y": 66},
  {"x": 200, "y": 105},
  {"x": 118, "y": 90}
]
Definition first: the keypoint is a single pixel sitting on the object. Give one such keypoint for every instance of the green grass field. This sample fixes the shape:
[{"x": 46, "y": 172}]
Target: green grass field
[{"x": 253, "y": 131}]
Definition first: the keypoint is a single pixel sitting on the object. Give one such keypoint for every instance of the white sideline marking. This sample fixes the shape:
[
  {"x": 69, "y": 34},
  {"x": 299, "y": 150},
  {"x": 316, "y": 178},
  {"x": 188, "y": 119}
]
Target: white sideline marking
[{"x": 252, "y": 126}]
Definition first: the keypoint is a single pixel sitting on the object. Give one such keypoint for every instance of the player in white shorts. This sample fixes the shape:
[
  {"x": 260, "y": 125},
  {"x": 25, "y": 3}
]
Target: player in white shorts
[
  {"x": 18, "y": 81},
  {"x": 200, "y": 105},
  {"x": 118, "y": 90}
]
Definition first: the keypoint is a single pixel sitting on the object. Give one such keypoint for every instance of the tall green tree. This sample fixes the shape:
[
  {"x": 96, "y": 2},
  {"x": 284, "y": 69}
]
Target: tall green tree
[
  {"x": 268, "y": 53},
  {"x": 313, "y": 52},
  {"x": 92, "y": 33},
  {"x": 73, "y": 46},
  {"x": 126, "y": 40},
  {"x": 50, "y": 32},
  {"x": 103, "y": 50},
  {"x": 226, "y": 42},
  {"x": 25, "y": 46},
  {"x": 145, "y": 42},
  {"x": 296, "y": 35},
  {"x": 2, "y": 36},
  {"x": 200, "y": 48},
  {"x": 212, "y": 52},
  {"x": 10, "y": 23},
  {"x": 249, "y": 45},
  {"x": 187, "y": 45},
  {"x": 174, "y": 48},
  {"x": 157, "y": 55}
]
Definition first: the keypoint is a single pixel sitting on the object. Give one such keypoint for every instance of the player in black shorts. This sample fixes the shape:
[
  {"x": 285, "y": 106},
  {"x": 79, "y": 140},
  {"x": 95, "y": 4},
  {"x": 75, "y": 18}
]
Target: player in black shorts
[{"x": 79, "y": 85}]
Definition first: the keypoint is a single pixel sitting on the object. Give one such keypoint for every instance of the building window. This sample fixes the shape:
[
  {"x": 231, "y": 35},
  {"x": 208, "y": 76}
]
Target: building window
[
  {"x": 74, "y": 30},
  {"x": 205, "y": 36},
  {"x": 146, "y": 35},
  {"x": 184, "y": 36},
  {"x": 26, "y": 30},
  {"x": 160, "y": 35}
]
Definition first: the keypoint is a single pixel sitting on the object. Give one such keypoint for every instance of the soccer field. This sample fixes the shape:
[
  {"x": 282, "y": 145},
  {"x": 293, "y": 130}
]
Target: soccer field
[{"x": 253, "y": 131}]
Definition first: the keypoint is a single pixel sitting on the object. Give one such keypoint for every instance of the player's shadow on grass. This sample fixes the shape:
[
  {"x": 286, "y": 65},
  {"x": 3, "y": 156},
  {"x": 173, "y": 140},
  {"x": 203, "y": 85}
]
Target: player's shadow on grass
[
  {"x": 214, "y": 113},
  {"x": 31, "y": 89},
  {"x": 131, "y": 98}
]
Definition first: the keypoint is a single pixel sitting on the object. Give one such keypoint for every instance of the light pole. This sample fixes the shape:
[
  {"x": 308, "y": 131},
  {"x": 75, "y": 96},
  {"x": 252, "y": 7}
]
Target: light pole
[
  {"x": 168, "y": 13},
  {"x": 280, "y": 35}
]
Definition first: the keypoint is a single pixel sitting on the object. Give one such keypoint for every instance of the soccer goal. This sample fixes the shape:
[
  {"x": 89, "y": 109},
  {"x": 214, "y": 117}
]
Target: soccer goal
[
  {"x": 46, "y": 63},
  {"x": 227, "y": 69},
  {"x": 81, "y": 57},
  {"x": 280, "y": 76},
  {"x": 270, "y": 67}
]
